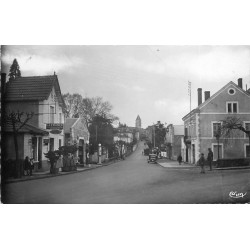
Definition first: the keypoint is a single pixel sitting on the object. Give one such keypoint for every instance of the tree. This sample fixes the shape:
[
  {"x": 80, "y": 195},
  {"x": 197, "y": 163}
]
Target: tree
[
  {"x": 87, "y": 108},
  {"x": 231, "y": 124},
  {"x": 95, "y": 106},
  {"x": 14, "y": 70},
  {"x": 73, "y": 103},
  {"x": 159, "y": 134},
  {"x": 101, "y": 131},
  {"x": 16, "y": 120}
]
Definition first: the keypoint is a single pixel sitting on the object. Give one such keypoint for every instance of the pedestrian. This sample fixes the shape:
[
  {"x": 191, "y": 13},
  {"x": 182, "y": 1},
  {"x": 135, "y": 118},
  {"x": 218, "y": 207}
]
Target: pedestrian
[
  {"x": 179, "y": 159},
  {"x": 31, "y": 166},
  {"x": 27, "y": 165},
  {"x": 202, "y": 163},
  {"x": 210, "y": 158}
]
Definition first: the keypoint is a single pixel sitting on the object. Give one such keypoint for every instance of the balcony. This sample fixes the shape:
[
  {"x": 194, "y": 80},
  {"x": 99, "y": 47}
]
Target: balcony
[{"x": 55, "y": 128}]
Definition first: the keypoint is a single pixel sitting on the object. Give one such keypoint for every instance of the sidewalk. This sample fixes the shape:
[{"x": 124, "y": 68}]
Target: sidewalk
[
  {"x": 47, "y": 174},
  {"x": 167, "y": 163}
]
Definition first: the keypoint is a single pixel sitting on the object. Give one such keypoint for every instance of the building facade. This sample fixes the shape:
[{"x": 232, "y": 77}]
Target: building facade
[
  {"x": 40, "y": 96},
  {"x": 173, "y": 140},
  {"x": 76, "y": 132},
  {"x": 203, "y": 123}
]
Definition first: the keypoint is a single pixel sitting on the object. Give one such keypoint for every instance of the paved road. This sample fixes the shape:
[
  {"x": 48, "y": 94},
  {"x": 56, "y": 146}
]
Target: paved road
[{"x": 134, "y": 181}]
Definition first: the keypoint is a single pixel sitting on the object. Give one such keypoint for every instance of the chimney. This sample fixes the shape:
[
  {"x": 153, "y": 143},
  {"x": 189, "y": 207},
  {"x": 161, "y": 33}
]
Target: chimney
[
  {"x": 199, "y": 96},
  {"x": 240, "y": 82},
  {"x": 207, "y": 95}
]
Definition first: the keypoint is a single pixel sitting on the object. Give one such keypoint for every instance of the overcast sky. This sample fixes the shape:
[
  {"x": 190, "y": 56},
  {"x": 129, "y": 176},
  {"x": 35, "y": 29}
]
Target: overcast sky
[{"x": 150, "y": 81}]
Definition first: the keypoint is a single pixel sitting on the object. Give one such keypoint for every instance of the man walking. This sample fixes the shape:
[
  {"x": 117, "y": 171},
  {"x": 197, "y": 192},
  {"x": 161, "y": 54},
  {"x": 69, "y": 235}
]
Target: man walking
[
  {"x": 210, "y": 158},
  {"x": 202, "y": 163}
]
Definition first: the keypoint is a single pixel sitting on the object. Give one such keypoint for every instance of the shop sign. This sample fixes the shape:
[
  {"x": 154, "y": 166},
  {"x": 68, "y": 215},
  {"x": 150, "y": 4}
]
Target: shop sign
[{"x": 54, "y": 126}]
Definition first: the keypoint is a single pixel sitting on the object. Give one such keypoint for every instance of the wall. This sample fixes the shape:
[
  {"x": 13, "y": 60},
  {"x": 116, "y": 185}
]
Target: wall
[
  {"x": 44, "y": 110},
  {"x": 30, "y": 106},
  {"x": 216, "y": 111},
  {"x": 176, "y": 146},
  {"x": 10, "y": 147}
]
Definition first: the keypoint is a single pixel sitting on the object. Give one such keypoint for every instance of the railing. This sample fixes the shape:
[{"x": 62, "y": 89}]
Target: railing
[{"x": 58, "y": 126}]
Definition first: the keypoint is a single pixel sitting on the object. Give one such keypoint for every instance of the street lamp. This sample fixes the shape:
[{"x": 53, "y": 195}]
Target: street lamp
[{"x": 99, "y": 154}]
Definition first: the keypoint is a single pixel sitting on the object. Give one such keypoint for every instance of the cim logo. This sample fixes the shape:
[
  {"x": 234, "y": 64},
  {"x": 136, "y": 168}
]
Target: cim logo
[{"x": 235, "y": 194}]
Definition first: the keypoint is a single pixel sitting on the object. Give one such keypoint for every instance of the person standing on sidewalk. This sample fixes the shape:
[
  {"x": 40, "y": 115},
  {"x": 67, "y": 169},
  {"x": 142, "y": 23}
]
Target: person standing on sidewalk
[
  {"x": 202, "y": 163},
  {"x": 210, "y": 158},
  {"x": 179, "y": 159},
  {"x": 27, "y": 165},
  {"x": 31, "y": 166}
]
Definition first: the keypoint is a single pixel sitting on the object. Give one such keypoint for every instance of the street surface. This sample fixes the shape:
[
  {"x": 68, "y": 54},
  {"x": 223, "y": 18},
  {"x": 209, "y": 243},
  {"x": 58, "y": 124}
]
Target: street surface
[{"x": 134, "y": 181}]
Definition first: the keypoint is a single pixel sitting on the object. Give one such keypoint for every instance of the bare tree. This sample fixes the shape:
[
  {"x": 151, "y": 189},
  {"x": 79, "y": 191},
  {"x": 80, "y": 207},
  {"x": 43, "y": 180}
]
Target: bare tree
[
  {"x": 90, "y": 107},
  {"x": 73, "y": 103},
  {"x": 231, "y": 124},
  {"x": 17, "y": 120},
  {"x": 87, "y": 108}
]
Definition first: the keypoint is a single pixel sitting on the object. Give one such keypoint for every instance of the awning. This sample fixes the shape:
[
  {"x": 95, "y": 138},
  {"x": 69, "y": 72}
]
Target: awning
[{"x": 26, "y": 129}]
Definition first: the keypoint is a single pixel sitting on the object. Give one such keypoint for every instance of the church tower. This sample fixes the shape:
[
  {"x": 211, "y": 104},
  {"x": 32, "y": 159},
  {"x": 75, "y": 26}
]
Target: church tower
[{"x": 138, "y": 122}]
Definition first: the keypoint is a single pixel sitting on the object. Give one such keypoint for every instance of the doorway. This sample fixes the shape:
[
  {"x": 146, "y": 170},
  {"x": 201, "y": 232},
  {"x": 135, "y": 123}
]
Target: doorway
[
  {"x": 80, "y": 151},
  {"x": 34, "y": 148},
  {"x": 193, "y": 153},
  {"x": 40, "y": 152},
  {"x": 51, "y": 144}
]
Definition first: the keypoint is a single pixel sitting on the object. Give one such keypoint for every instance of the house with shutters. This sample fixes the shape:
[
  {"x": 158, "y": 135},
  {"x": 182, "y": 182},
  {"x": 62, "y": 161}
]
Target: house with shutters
[
  {"x": 40, "y": 95},
  {"x": 202, "y": 124}
]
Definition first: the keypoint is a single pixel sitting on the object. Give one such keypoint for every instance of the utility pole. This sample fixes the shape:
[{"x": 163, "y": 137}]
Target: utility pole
[
  {"x": 154, "y": 134},
  {"x": 189, "y": 93},
  {"x": 96, "y": 132}
]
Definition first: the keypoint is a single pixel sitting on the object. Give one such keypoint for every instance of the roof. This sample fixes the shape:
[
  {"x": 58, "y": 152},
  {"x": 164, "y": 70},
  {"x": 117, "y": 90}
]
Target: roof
[
  {"x": 138, "y": 117},
  {"x": 33, "y": 88},
  {"x": 213, "y": 96},
  {"x": 69, "y": 122},
  {"x": 27, "y": 128}
]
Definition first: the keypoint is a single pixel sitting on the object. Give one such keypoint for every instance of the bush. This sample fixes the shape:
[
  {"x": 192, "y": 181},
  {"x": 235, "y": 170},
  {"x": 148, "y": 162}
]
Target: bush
[{"x": 233, "y": 162}]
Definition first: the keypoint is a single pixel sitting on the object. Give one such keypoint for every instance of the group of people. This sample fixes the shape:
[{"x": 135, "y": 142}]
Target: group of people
[
  {"x": 201, "y": 161},
  {"x": 28, "y": 166}
]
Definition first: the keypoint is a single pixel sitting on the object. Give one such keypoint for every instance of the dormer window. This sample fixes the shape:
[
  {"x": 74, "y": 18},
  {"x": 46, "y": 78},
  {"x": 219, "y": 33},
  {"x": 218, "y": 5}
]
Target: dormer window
[{"x": 232, "y": 107}]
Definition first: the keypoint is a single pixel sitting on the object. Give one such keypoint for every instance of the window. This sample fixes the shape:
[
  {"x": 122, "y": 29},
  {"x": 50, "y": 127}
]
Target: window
[
  {"x": 216, "y": 128},
  {"x": 60, "y": 117},
  {"x": 247, "y": 127},
  {"x": 52, "y": 111},
  {"x": 247, "y": 151},
  {"x": 231, "y": 91},
  {"x": 51, "y": 144},
  {"x": 232, "y": 107}
]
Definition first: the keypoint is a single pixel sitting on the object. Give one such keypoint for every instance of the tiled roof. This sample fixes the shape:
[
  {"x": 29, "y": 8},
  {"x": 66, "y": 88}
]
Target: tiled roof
[
  {"x": 69, "y": 122},
  {"x": 30, "y": 88},
  {"x": 27, "y": 128}
]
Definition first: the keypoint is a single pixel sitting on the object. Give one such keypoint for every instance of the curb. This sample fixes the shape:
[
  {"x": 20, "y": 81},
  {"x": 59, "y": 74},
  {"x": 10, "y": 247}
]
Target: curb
[
  {"x": 57, "y": 175},
  {"x": 228, "y": 168}
]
